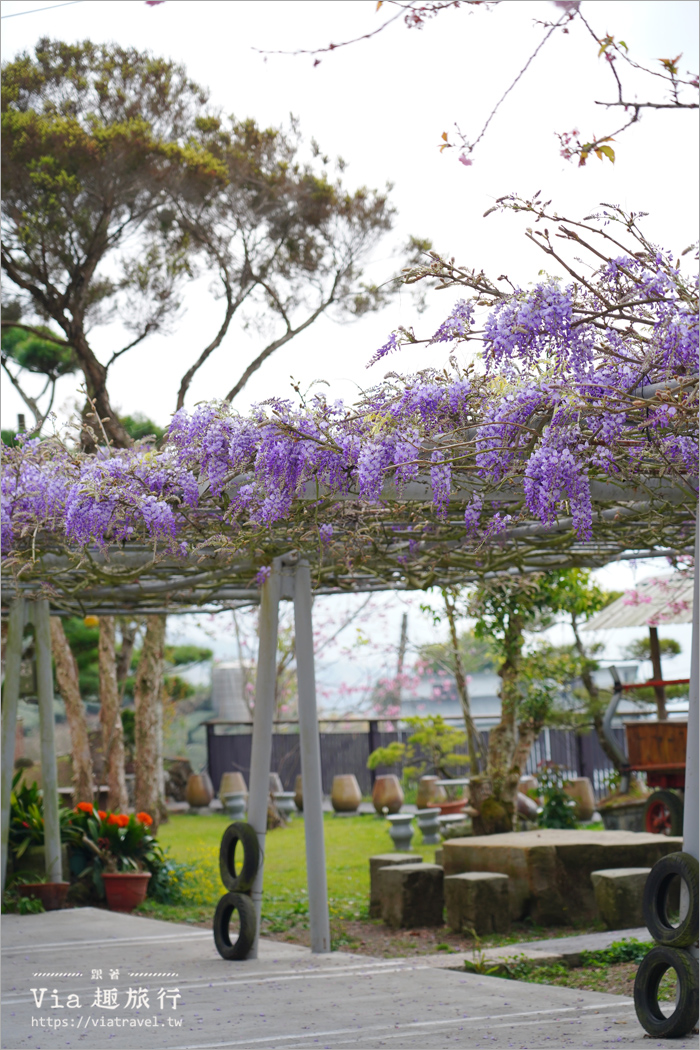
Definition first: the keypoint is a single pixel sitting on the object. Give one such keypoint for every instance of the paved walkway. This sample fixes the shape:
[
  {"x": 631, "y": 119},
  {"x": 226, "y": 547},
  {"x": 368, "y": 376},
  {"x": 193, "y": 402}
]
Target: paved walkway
[{"x": 185, "y": 996}]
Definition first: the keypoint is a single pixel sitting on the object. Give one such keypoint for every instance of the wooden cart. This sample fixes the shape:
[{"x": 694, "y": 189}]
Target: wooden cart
[{"x": 658, "y": 749}]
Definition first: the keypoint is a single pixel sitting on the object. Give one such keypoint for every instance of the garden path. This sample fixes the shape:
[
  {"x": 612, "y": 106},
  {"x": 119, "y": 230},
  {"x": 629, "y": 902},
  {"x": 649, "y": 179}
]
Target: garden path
[{"x": 284, "y": 999}]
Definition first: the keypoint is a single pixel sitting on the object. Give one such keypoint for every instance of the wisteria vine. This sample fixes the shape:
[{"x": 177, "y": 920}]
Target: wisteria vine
[{"x": 572, "y": 382}]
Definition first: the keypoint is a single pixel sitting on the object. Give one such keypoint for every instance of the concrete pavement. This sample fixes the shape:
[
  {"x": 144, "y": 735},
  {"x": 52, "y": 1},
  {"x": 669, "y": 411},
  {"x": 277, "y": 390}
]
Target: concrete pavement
[{"x": 95, "y": 979}]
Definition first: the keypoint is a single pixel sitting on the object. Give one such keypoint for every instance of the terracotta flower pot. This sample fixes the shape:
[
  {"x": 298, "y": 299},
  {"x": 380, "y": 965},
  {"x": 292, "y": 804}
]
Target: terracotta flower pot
[
  {"x": 199, "y": 791},
  {"x": 125, "y": 889},
  {"x": 580, "y": 790},
  {"x": 456, "y": 806},
  {"x": 429, "y": 791},
  {"x": 51, "y": 894},
  {"x": 298, "y": 794},
  {"x": 345, "y": 794},
  {"x": 232, "y": 783},
  {"x": 387, "y": 794}
]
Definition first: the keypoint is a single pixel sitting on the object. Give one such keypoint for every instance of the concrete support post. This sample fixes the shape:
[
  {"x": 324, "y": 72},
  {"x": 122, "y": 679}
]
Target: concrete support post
[
  {"x": 691, "y": 815},
  {"x": 49, "y": 774},
  {"x": 10, "y": 701},
  {"x": 319, "y": 923},
  {"x": 263, "y": 718}
]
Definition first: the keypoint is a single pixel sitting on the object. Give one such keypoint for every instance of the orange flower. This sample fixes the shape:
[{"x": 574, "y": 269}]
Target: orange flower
[
  {"x": 86, "y": 807},
  {"x": 120, "y": 819},
  {"x": 101, "y": 814},
  {"x": 144, "y": 818}
]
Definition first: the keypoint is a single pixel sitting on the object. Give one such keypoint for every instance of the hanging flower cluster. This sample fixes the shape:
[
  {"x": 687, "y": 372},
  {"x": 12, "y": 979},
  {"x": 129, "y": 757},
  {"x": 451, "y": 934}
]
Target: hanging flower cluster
[{"x": 596, "y": 379}]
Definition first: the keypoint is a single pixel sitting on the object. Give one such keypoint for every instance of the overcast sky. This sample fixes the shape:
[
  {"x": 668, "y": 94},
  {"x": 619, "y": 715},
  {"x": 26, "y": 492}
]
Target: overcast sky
[{"x": 382, "y": 105}]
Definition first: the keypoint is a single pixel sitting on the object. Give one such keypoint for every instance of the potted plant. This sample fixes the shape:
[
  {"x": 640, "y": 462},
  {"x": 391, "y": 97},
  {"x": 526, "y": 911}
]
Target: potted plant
[
  {"x": 431, "y": 748},
  {"x": 26, "y": 853},
  {"x": 122, "y": 851},
  {"x": 51, "y": 894}
]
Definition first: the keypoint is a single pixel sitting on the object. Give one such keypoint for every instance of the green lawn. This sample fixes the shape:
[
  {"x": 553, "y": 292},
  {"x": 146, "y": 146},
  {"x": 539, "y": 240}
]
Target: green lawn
[{"x": 350, "y": 842}]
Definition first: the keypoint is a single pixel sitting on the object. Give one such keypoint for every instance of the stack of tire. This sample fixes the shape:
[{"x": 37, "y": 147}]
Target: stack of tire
[
  {"x": 238, "y": 886},
  {"x": 673, "y": 949}
]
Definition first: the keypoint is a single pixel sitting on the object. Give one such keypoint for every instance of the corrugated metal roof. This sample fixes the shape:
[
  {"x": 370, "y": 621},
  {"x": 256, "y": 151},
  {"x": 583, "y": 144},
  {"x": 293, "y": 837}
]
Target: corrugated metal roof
[{"x": 656, "y": 600}]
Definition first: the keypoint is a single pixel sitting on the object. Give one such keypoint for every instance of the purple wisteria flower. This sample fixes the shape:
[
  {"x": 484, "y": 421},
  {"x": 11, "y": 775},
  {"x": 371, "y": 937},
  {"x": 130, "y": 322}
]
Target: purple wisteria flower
[
  {"x": 457, "y": 325},
  {"x": 262, "y": 575}
]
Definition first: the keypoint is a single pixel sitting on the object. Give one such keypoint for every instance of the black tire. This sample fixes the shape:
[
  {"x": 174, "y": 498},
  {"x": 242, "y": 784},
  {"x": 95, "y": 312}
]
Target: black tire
[
  {"x": 235, "y": 833},
  {"x": 646, "y": 991},
  {"x": 655, "y": 902},
  {"x": 229, "y": 903},
  {"x": 663, "y": 813}
]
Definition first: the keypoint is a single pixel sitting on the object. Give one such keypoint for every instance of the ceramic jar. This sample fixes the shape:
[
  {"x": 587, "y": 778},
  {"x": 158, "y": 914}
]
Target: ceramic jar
[
  {"x": 580, "y": 790},
  {"x": 231, "y": 782},
  {"x": 199, "y": 791},
  {"x": 429, "y": 791},
  {"x": 387, "y": 794},
  {"x": 276, "y": 784},
  {"x": 345, "y": 794}
]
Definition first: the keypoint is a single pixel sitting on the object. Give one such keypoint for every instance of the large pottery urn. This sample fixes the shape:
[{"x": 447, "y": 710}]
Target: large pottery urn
[
  {"x": 299, "y": 794},
  {"x": 231, "y": 783},
  {"x": 275, "y": 783},
  {"x": 580, "y": 790},
  {"x": 126, "y": 889},
  {"x": 429, "y": 791},
  {"x": 199, "y": 791},
  {"x": 345, "y": 794},
  {"x": 387, "y": 794}
]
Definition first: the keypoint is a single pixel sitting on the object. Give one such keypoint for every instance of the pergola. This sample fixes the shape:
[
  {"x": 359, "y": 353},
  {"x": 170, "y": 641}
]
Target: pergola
[{"x": 646, "y": 519}]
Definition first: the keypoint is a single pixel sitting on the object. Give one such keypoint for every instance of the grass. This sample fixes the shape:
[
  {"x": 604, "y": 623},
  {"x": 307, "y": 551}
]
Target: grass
[
  {"x": 193, "y": 842},
  {"x": 350, "y": 841},
  {"x": 611, "y": 970}
]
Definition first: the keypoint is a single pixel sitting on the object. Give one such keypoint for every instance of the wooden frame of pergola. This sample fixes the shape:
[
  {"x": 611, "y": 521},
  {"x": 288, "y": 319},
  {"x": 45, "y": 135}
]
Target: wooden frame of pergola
[{"x": 132, "y": 581}]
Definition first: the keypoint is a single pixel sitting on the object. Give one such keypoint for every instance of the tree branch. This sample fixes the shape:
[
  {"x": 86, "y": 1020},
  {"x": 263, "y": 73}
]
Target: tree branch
[
  {"x": 29, "y": 401},
  {"x": 36, "y": 331},
  {"x": 270, "y": 349}
]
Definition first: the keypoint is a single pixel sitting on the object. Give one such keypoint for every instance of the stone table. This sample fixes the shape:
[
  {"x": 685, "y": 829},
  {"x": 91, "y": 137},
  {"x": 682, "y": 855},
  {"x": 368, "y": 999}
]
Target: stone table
[{"x": 549, "y": 870}]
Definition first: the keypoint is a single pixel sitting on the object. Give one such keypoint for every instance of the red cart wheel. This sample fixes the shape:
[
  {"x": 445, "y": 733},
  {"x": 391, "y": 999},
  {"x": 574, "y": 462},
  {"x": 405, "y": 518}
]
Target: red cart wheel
[{"x": 663, "y": 814}]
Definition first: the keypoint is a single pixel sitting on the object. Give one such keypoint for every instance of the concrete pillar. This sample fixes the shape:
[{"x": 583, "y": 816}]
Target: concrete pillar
[
  {"x": 263, "y": 718},
  {"x": 692, "y": 781},
  {"x": 10, "y": 700},
  {"x": 319, "y": 923},
  {"x": 49, "y": 773}
]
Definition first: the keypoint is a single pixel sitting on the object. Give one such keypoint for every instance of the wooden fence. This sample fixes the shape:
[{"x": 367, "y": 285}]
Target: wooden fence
[{"x": 346, "y": 745}]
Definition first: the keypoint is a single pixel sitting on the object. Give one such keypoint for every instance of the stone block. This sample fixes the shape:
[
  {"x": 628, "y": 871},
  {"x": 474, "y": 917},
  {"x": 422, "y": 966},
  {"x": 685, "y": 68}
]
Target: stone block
[
  {"x": 376, "y": 863},
  {"x": 478, "y": 901},
  {"x": 438, "y": 856},
  {"x": 412, "y": 895},
  {"x": 549, "y": 870},
  {"x": 618, "y": 894}
]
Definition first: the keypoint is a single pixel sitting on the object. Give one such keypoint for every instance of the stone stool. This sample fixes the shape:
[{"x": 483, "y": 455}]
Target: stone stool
[
  {"x": 412, "y": 895},
  {"x": 376, "y": 863},
  {"x": 477, "y": 900},
  {"x": 618, "y": 895}
]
